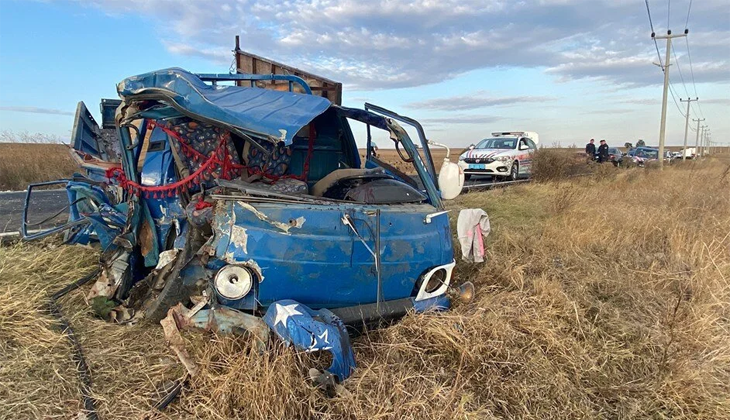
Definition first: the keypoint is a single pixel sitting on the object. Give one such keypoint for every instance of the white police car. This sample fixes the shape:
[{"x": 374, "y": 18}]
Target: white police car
[{"x": 506, "y": 155}]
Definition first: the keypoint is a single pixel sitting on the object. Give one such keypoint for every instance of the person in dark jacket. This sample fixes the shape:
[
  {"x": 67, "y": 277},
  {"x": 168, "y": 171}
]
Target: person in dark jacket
[
  {"x": 591, "y": 150},
  {"x": 603, "y": 152}
]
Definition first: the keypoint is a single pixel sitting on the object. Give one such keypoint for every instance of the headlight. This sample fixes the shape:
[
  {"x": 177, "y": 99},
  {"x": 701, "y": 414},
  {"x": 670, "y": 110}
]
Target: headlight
[
  {"x": 504, "y": 158},
  {"x": 461, "y": 157},
  {"x": 233, "y": 282}
]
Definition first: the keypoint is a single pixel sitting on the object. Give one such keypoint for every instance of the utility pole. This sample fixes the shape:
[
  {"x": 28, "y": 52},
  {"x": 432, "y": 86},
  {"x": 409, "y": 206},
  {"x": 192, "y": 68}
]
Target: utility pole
[
  {"x": 686, "y": 125},
  {"x": 702, "y": 145},
  {"x": 708, "y": 136},
  {"x": 697, "y": 140},
  {"x": 662, "y": 128}
]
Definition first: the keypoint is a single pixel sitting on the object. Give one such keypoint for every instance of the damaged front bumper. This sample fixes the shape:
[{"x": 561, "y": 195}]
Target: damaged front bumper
[{"x": 294, "y": 323}]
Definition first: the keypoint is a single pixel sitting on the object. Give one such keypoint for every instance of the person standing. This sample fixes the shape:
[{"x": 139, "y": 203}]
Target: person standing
[
  {"x": 603, "y": 152},
  {"x": 591, "y": 150}
]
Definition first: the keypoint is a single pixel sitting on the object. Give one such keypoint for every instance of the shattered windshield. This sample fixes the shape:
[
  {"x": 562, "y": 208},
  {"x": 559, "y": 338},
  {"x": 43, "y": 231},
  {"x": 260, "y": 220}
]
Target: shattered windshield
[{"x": 497, "y": 143}]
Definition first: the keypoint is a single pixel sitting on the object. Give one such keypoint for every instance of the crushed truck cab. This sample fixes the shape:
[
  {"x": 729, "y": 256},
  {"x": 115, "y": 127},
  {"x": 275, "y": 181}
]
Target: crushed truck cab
[{"x": 251, "y": 205}]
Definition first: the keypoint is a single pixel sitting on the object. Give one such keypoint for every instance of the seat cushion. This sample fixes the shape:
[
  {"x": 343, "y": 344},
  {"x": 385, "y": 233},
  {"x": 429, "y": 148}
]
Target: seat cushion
[{"x": 275, "y": 164}]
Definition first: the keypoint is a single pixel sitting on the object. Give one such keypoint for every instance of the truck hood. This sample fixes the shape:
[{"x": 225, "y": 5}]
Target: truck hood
[
  {"x": 274, "y": 115},
  {"x": 484, "y": 153}
]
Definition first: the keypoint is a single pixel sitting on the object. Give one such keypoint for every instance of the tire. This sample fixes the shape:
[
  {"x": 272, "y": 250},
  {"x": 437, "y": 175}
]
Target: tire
[{"x": 514, "y": 173}]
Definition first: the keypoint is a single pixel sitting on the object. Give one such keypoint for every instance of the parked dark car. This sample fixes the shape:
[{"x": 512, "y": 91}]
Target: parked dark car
[
  {"x": 641, "y": 155},
  {"x": 615, "y": 156}
]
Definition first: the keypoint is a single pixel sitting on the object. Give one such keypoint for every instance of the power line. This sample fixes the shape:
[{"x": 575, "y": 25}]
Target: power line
[
  {"x": 649, "y": 13},
  {"x": 700, "y": 108},
  {"x": 689, "y": 58},
  {"x": 691, "y": 71},
  {"x": 658, "y": 55},
  {"x": 679, "y": 69},
  {"x": 671, "y": 90},
  {"x": 689, "y": 9},
  {"x": 651, "y": 24},
  {"x": 669, "y": 9}
]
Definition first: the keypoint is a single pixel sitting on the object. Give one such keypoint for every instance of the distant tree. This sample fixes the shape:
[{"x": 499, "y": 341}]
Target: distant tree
[
  {"x": 628, "y": 146},
  {"x": 640, "y": 143}
]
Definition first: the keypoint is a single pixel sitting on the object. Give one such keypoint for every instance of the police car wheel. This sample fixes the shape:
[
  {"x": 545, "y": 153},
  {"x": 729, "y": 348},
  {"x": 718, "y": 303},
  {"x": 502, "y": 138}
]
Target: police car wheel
[{"x": 515, "y": 171}]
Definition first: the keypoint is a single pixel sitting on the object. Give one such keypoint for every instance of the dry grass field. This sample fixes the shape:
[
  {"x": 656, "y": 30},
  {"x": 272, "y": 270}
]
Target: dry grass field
[
  {"x": 23, "y": 163},
  {"x": 604, "y": 296}
]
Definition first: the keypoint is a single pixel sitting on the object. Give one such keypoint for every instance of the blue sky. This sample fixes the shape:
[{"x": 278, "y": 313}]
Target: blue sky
[{"x": 568, "y": 69}]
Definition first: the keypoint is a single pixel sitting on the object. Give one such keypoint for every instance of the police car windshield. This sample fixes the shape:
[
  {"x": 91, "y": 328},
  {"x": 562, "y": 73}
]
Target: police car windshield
[{"x": 497, "y": 143}]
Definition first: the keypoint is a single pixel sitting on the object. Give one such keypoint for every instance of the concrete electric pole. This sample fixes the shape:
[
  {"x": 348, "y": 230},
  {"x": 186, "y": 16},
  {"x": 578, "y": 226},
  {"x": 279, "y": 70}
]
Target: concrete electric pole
[
  {"x": 686, "y": 125},
  {"x": 708, "y": 136},
  {"x": 697, "y": 140},
  {"x": 662, "y": 128}
]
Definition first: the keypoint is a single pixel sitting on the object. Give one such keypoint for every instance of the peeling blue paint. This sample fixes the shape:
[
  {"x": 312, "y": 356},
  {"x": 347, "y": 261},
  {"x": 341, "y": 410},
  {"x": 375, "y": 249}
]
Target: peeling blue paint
[{"x": 322, "y": 263}]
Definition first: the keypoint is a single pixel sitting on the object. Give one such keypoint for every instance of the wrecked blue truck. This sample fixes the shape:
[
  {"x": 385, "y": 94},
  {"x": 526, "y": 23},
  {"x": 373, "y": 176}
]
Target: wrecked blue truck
[{"x": 222, "y": 205}]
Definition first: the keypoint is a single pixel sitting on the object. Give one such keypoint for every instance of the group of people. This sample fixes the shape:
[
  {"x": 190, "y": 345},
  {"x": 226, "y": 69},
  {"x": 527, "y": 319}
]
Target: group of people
[{"x": 600, "y": 155}]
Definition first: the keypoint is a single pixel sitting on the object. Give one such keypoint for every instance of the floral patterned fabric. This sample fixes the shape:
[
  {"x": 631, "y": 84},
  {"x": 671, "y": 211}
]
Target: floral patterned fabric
[
  {"x": 277, "y": 163},
  {"x": 204, "y": 138}
]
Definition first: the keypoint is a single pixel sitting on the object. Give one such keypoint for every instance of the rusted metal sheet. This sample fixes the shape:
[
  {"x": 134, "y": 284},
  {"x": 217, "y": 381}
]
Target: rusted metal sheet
[{"x": 249, "y": 63}]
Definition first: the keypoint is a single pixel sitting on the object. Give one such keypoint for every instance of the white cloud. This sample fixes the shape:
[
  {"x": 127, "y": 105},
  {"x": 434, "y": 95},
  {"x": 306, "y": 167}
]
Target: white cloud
[
  {"x": 460, "y": 119},
  {"x": 475, "y": 100},
  {"x": 216, "y": 55},
  {"x": 35, "y": 110},
  {"x": 382, "y": 43}
]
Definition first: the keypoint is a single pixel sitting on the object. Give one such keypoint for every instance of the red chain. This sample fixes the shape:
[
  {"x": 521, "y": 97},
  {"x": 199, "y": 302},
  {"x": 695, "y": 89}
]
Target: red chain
[{"x": 209, "y": 165}]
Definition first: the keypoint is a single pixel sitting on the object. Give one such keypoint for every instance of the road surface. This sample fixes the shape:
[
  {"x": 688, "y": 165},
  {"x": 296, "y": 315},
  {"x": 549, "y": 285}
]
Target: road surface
[{"x": 44, "y": 204}]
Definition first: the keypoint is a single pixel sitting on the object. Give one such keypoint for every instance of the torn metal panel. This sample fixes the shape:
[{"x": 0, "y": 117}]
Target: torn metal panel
[
  {"x": 293, "y": 223},
  {"x": 167, "y": 257},
  {"x": 221, "y": 320},
  {"x": 112, "y": 276},
  {"x": 176, "y": 343}
]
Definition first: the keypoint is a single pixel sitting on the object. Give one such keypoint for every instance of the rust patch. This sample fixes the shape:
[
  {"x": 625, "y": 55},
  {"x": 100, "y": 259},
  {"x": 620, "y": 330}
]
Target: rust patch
[{"x": 145, "y": 238}]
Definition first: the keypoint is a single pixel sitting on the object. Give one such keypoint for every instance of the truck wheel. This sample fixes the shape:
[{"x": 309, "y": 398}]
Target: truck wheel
[{"x": 514, "y": 173}]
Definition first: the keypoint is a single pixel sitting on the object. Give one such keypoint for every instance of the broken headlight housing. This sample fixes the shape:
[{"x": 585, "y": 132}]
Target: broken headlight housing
[{"x": 435, "y": 281}]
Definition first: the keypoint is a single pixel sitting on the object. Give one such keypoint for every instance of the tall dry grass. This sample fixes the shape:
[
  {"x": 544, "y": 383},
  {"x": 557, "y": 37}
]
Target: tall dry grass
[
  {"x": 602, "y": 297},
  {"x": 555, "y": 164},
  {"x": 23, "y": 163}
]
